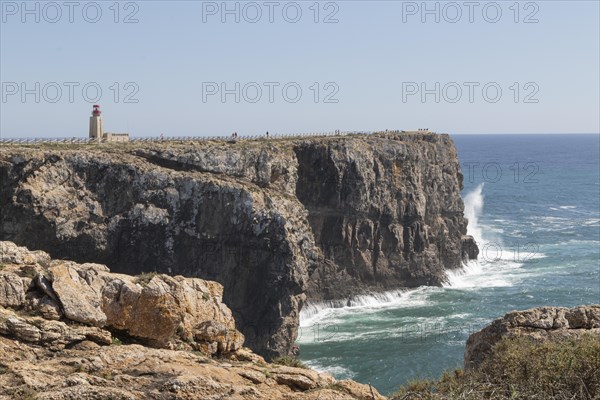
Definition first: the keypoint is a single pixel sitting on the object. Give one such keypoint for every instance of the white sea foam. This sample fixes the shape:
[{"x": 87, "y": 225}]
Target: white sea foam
[
  {"x": 572, "y": 242},
  {"x": 313, "y": 313},
  {"x": 335, "y": 370},
  {"x": 404, "y": 327},
  {"x": 477, "y": 275},
  {"x": 473, "y": 208},
  {"x": 562, "y": 208},
  {"x": 498, "y": 265}
]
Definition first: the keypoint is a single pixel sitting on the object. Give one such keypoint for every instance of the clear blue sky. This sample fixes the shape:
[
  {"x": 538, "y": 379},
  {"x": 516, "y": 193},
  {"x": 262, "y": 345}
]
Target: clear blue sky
[{"x": 373, "y": 56}]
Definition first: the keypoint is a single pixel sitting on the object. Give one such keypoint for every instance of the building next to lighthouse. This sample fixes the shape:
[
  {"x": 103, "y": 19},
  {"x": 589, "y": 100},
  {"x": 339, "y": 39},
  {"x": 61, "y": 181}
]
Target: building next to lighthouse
[{"x": 97, "y": 133}]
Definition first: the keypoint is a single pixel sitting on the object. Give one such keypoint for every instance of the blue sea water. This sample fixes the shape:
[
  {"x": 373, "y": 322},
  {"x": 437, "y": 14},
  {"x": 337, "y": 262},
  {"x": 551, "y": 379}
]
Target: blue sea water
[{"x": 533, "y": 203}]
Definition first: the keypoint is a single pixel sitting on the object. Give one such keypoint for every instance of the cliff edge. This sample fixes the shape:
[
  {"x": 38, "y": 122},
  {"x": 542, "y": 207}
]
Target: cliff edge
[{"x": 276, "y": 222}]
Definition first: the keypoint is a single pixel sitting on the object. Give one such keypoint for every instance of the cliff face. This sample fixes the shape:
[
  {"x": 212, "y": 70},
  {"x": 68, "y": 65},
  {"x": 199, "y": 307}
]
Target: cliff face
[
  {"x": 385, "y": 213},
  {"x": 272, "y": 221}
]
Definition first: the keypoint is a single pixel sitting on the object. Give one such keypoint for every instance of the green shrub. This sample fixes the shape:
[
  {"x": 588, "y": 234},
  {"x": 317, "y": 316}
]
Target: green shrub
[
  {"x": 145, "y": 278},
  {"x": 289, "y": 361}
]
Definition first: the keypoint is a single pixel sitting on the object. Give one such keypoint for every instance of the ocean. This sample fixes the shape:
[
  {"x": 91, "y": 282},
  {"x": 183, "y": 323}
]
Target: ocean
[{"x": 533, "y": 203}]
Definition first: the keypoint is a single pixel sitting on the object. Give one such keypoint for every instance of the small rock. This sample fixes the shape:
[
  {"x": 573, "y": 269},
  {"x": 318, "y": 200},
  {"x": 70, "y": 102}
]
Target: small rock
[{"x": 85, "y": 345}]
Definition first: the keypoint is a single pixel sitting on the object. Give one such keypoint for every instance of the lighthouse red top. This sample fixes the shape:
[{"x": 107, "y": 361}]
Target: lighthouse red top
[{"x": 96, "y": 112}]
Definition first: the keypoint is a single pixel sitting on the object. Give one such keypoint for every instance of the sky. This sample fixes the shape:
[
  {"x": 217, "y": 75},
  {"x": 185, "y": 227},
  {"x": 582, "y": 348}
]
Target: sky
[{"x": 203, "y": 68}]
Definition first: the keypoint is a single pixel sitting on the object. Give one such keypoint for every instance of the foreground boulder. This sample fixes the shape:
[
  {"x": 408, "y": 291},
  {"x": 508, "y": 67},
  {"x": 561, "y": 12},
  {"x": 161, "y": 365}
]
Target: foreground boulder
[
  {"x": 542, "y": 323},
  {"x": 156, "y": 310}
]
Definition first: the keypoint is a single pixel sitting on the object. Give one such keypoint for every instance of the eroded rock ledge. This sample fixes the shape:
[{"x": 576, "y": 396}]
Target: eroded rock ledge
[{"x": 67, "y": 331}]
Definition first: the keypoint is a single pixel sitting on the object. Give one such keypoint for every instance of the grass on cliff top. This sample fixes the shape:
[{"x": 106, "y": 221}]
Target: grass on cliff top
[{"x": 520, "y": 368}]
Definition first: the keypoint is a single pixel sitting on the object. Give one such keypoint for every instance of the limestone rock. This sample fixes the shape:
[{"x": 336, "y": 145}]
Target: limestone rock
[
  {"x": 12, "y": 289},
  {"x": 77, "y": 287},
  {"x": 168, "y": 307},
  {"x": 10, "y": 253},
  {"x": 161, "y": 311},
  {"x": 300, "y": 379},
  {"x": 542, "y": 323},
  {"x": 52, "y": 334}
]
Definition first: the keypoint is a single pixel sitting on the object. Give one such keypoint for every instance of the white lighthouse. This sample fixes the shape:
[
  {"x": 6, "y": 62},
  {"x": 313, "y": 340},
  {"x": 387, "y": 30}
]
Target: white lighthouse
[{"x": 96, "y": 126}]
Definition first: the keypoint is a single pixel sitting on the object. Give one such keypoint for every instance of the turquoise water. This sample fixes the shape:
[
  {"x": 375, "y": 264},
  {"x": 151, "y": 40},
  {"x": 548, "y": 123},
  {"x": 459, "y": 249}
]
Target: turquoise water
[{"x": 533, "y": 202}]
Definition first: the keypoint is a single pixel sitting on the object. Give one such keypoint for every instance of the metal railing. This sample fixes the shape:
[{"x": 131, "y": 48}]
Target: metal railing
[
  {"x": 47, "y": 140},
  {"x": 274, "y": 136}
]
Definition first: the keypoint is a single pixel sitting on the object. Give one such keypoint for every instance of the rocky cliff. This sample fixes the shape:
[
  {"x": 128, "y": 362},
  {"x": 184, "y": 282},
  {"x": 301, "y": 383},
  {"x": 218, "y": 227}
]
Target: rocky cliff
[
  {"x": 274, "y": 221},
  {"x": 78, "y": 331}
]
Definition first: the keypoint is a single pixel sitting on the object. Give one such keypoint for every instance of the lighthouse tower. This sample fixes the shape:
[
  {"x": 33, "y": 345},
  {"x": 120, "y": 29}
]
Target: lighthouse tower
[{"x": 96, "y": 127}]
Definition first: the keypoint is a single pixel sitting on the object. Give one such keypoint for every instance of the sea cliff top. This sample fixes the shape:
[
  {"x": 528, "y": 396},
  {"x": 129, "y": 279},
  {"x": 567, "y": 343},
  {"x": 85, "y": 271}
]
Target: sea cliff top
[{"x": 245, "y": 141}]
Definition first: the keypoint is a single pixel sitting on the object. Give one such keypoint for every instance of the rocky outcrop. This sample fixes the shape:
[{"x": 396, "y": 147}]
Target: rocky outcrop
[
  {"x": 159, "y": 311},
  {"x": 542, "y": 323},
  {"x": 60, "y": 324},
  {"x": 470, "y": 251},
  {"x": 275, "y": 222}
]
